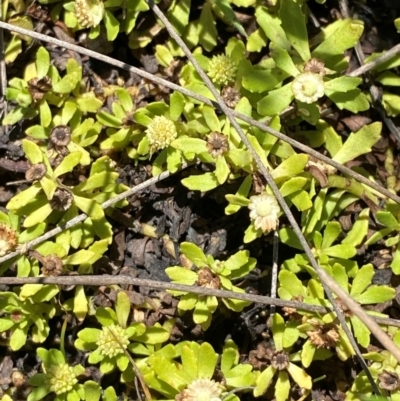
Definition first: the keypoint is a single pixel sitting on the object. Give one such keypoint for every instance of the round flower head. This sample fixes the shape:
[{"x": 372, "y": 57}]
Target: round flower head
[
  {"x": 222, "y": 70},
  {"x": 201, "y": 390},
  {"x": 61, "y": 379},
  {"x": 107, "y": 342},
  {"x": 264, "y": 211},
  {"x": 161, "y": 132},
  {"x": 89, "y": 13},
  {"x": 8, "y": 239},
  {"x": 308, "y": 87}
]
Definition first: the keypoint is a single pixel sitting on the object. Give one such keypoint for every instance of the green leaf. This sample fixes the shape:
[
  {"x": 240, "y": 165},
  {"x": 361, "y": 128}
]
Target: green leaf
[
  {"x": 211, "y": 118},
  {"x": 38, "y": 216},
  {"x": 291, "y": 283},
  {"x": 112, "y": 25},
  {"x": 122, "y": 308},
  {"x": 92, "y": 391},
  {"x": 256, "y": 41},
  {"x": 206, "y": 361},
  {"x": 16, "y": 114},
  {"x": 89, "y": 335},
  {"x": 362, "y": 280},
  {"x": 359, "y": 143},
  {"x": 194, "y": 254},
  {"x": 361, "y": 331},
  {"x": 359, "y": 230},
  {"x": 340, "y": 36},
  {"x": 89, "y": 207},
  {"x": 271, "y": 25},
  {"x": 125, "y": 99},
  {"x": 257, "y": 80},
  {"x": 187, "y": 301},
  {"x": 45, "y": 114},
  {"x": 79, "y": 257},
  {"x": 299, "y": 376},
  {"x": 331, "y": 233},
  {"x": 263, "y": 381},
  {"x": 32, "y": 151},
  {"x": 109, "y": 394},
  {"x": 67, "y": 84},
  {"x": 177, "y": 104},
  {"x": 81, "y": 306},
  {"x": 291, "y": 166},
  {"x": 230, "y": 15},
  {"x": 207, "y": 30},
  {"x": 282, "y": 387},
  {"x": 276, "y": 101},
  {"x": 204, "y": 182},
  {"x": 353, "y": 100},
  {"x": 294, "y": 26},
  {"x": 344, "y": 251},
  {"x": 181, "y": 275},
  {"x": 387, "y": 219},
  {"x": 376, "y": 295},
  {"x": 42, "y": 62},
  {"x": 18, "y": 338},
  {"x": 278, "y": 328},
  {"x": 5, "y": 324},
  {"x": 187, "y": 144},
  {"x": 67, "y": 164},
  {"x": 283, "y": 60},
  {"x": 38, "y": 393},
  {"x": 342, "y": 84},
  {"x": 222, "y": 170}
]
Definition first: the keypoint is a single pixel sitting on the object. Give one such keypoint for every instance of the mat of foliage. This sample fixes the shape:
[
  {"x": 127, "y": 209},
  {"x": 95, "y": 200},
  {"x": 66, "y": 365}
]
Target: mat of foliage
[{"x": 77, "y": 132}]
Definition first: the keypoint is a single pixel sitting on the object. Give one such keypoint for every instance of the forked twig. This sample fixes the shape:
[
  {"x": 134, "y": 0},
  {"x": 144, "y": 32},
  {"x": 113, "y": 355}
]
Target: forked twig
[
  {"x": 263, "y": 126},
  {"x": 328, "y": 282}
]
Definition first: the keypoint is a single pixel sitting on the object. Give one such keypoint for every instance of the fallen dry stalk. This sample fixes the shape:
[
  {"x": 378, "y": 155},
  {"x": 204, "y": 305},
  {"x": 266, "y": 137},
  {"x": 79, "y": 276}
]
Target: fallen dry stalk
[{"x": 104, "y": 280}]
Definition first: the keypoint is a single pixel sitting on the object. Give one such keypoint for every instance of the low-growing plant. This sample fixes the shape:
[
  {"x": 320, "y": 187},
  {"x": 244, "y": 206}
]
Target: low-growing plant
[
  {"x": 189, "y": 370},
  {"x": 108, "y": 345},
  {"x": 209, "y": 273},
  {"x": 23, "y": 315},
  {"x": 281, "y": 366}
]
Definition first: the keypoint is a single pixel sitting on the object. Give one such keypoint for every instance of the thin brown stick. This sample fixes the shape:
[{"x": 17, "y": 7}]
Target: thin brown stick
[
  {"x": 82, "y": 217},
  {"x": 263, "y": 126},
  {"x": 104, "y": 280},
  {"x": 134, "y": 366},
  {"x": 387, "y": 55}
]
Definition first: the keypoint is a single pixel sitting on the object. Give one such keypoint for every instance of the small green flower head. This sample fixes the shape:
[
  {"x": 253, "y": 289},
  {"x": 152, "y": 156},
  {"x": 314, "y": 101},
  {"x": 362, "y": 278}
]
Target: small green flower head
[
  {"x": 308, "y": 87},
  {"x": 222, "y": 70},
  {"x": 61, "y": 378},
  {"x": 112, "y": 340},
  {"x": 109, "y": 343},
  {"x": 89, "y": 13},
  {"x": 161, "y": 132},
  {"x": 264, "y": 210},
  {"x": 57, "y": 377}
]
